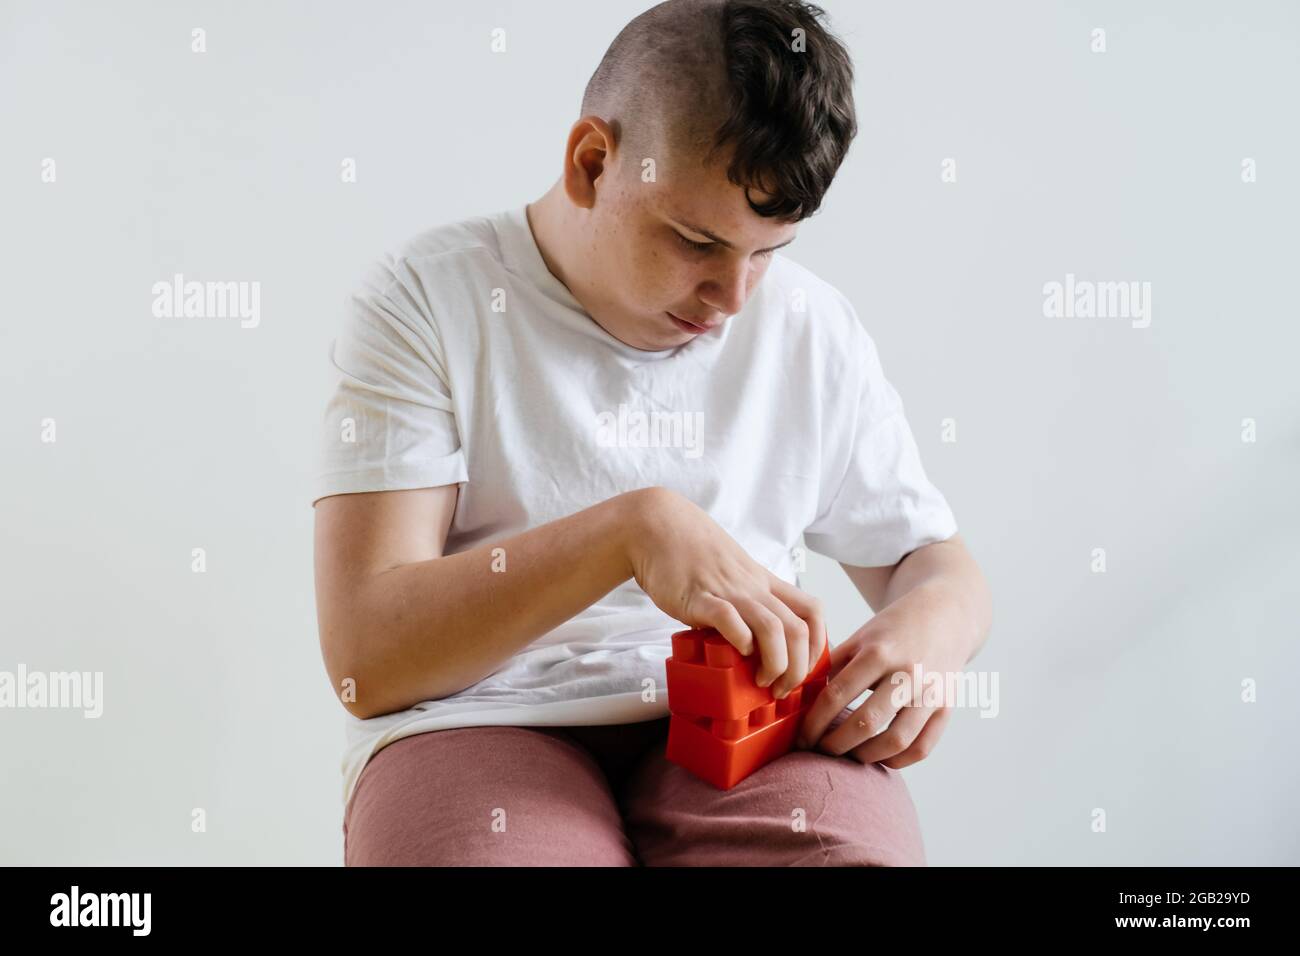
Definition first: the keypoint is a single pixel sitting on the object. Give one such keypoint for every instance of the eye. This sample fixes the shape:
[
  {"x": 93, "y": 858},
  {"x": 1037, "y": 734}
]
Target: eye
[
  {"x": 694, "y": 246},
  {"x": 706, "y": 246}
]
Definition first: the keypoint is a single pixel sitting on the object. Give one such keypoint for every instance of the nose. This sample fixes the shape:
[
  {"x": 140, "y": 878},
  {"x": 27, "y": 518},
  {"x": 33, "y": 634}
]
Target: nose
[{"x": 728, "y": 290}]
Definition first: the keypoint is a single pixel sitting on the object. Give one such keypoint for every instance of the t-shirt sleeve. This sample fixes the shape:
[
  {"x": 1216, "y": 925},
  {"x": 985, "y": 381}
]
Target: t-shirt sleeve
[
  {"x": 882, "y": 506},
  {"x": 389, "y": 423}
]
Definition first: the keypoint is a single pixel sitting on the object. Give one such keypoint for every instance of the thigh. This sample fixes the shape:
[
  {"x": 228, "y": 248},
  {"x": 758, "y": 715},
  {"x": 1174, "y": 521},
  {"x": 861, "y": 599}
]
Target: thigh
[
  {"x": 484, "y": 796},
  {"x": 803, "y": 809}
]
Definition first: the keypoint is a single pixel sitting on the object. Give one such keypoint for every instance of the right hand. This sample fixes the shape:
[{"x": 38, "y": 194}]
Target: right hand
[{"x": 695, "y": 572}]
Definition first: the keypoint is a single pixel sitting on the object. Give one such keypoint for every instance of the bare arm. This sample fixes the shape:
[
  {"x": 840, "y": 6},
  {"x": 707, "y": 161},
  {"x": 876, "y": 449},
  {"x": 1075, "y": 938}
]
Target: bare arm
[
  {"x": 409, "y": 624},
  {"x": 944, "y": 569}
]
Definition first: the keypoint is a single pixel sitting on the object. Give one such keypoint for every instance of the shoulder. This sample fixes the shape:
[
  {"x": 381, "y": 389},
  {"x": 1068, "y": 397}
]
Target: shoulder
[
  {"x": 814, "y": 312},
  {"x": 437, "y": 265},
  {"x": 463, "y": 247}
]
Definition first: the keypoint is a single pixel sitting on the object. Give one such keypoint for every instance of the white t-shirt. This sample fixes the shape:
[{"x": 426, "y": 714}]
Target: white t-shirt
[{"x": 462, "y": 359}]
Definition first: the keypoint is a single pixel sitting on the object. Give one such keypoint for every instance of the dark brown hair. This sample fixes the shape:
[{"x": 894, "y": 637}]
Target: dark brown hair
[{"x": 762, "y": 83}]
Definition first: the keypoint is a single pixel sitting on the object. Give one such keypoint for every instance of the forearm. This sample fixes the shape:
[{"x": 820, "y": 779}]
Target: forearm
[
  {"x": 946, "y": 578},
  {"x": 429, "y": 629}
]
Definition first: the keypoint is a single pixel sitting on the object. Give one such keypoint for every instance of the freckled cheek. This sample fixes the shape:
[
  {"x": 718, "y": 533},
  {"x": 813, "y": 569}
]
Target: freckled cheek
[{"x": 664, "y": 279}]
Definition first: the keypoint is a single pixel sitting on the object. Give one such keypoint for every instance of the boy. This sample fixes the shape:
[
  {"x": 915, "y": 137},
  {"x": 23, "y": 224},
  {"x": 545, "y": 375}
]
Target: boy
[{"x": 566, "y": 430}]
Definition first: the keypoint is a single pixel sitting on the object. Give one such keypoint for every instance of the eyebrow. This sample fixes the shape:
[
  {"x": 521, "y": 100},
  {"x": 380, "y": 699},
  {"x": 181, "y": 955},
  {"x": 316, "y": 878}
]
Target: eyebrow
[{"x": 719, "y": 240}]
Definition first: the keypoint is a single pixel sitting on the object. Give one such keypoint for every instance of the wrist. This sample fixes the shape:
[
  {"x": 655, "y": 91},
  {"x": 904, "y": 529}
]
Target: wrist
[
  {"x": 954, "y": 611},
  {"x": 639, "y": 515}
]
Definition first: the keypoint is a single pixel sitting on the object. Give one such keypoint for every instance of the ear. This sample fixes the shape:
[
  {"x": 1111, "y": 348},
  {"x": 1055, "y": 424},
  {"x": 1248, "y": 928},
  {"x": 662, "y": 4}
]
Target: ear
[{"x": 590, "y": 148}]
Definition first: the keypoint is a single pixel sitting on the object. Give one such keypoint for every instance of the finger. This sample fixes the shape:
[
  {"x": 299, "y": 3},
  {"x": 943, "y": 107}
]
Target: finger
[
  {"x": 843, "y": 652},
  {"x": 809, "y": 609},
  {"x": 925, "y": 742},
  {"x": 795, "y": 634},
  {"x": 769, "y": 632},
  {"x": 712, "y": 611},
  {"x": 863, "y": 670},
  {"x": 873, "y": 717},
  {"x": 897, "y": 737}
]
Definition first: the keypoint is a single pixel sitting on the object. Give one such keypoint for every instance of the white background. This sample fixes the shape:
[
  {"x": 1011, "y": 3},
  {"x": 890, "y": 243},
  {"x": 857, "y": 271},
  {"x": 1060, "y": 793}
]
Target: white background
[{"x": 1119, "y": 691}]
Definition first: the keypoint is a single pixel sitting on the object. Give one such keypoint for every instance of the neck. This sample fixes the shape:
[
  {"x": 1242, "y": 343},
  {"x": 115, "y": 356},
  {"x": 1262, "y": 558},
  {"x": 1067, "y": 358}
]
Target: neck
[{"x": 553, "y": 230}]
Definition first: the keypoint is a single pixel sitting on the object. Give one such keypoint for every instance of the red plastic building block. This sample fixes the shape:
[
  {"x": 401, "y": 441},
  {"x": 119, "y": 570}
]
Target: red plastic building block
[{"x": 723, "y": 726}]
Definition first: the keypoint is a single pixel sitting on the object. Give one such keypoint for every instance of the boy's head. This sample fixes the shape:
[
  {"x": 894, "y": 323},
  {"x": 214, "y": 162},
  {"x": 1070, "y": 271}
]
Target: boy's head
[{"x": 709, "y": 130}]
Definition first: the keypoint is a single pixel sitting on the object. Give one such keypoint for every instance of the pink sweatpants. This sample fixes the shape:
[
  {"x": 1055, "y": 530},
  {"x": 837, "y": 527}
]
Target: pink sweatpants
[{"x": 605, "y": 796}]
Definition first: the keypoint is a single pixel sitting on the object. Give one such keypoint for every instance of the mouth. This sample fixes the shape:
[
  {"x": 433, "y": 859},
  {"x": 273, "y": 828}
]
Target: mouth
[{"x": 686, "y": 326}]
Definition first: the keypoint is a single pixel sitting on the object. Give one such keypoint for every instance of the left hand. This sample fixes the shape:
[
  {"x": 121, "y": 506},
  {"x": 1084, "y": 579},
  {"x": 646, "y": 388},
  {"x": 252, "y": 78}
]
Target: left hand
[{"x": 918, "y": 628}]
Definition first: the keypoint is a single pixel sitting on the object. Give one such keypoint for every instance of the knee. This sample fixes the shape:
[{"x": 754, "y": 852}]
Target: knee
[
  {"x": 806, "y": 809},
  {"x": 869, "y": 818}
]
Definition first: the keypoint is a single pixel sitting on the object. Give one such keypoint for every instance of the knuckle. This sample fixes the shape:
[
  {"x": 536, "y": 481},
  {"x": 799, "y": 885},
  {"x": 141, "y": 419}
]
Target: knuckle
[
  {"x": 876, "y": 653},
  {"x": 892, "y": 741},
  {"x": 836, "y": 694}
]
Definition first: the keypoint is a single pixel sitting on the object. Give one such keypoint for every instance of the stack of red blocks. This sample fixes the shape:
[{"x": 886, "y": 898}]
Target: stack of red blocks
[{"x": 723, "y": 726}]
